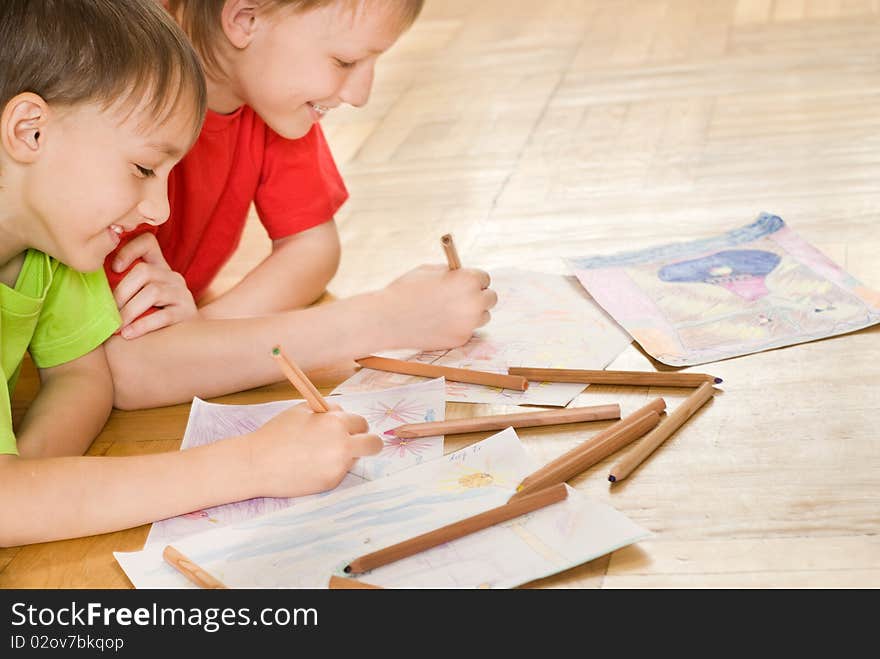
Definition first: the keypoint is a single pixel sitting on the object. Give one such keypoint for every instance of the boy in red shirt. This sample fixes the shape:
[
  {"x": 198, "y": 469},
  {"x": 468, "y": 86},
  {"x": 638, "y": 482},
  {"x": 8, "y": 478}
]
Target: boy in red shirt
[{"x": 275, "y": 67}]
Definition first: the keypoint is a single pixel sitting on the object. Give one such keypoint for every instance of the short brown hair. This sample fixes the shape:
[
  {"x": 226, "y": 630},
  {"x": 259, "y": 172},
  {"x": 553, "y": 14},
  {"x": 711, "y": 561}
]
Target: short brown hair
[
  {"x": 200, "y": 19},
  {"x": 106, "y": 51}
]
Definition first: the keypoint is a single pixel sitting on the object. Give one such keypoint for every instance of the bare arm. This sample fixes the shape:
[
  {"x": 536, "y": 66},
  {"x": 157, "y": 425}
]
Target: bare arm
[
  {"x": 428, "y": 308},
  {"x": 294, "y": 275},
  {"x": 83, "y": 388},
  {"x": 295, "y": 453}
]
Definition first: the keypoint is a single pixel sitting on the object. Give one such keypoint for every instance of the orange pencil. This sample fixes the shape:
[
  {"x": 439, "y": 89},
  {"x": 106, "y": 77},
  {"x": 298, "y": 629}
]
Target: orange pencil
[
  {"x": 343, "y": 583},
  {"x": 501, "y": 421},
  {"x": 450, "y": 373},
  {"x": 657, "y": 436},
  {"x": 300, "y": 381},
  {"x": 190, "y": 570},
  {"x": 457, "y": 529},
  {"x": 596, "y": 448},
  {"x": 451, "y": 252}
]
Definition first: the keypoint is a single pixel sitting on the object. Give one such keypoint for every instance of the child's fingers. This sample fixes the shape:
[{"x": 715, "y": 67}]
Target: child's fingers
[
  {"x": 133, "y": 282},
  {"x": 481, "y": 275},
  {"x": 147, "y": 324},
  {"x": 354, "y": 423},
  {"x": 490, "y": 298},
  {"x": 145, "y": 298},
  {"x": 144, "y": 246},
  {"x": 365, "y": 444}
]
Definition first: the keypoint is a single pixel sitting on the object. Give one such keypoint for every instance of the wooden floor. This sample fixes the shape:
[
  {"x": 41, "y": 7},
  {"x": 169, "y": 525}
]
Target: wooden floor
[{"x": 538, "y": 130}]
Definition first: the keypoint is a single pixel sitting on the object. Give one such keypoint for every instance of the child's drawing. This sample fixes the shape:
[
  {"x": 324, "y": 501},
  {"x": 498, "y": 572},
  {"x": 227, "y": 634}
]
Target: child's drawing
[
  {"x": 383, "y": 410},
  {"x": 302, "y": 546},
  {"x": 751, "y": 289},
  {"x": 541, "y": 320}
]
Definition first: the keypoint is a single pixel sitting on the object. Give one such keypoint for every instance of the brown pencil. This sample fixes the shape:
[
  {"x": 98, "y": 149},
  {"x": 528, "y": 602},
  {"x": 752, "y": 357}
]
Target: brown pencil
[
  {"x": 499, "y": 380},
  {"x": 300, "y": 381},
  {"x": 657, "y": 436},
  {"x": 190, "y": 570},
  {"x": 595, "y": 449},
  {"x": 451, "y": 252},
  {"x": 457, "y": 529},
  {"x": 500, "y": 421},
  {"x": 343, "y": 583},
  {"x": 655, "y": 378}
]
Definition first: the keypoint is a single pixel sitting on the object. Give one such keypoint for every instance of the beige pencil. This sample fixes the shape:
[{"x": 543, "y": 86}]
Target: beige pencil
[
  {"x": 451, "y": 252},
  {"x": 190, "y": 570},
  {"x": 499, "y": 380},
  {"x": 300, "y": 381},
  {"x": 595, "y": 449},
  {"x": 657, "y": 436},
  {"x": 457, "y": 529},
  {"x": 501, "y": 421},
  {"x": 650, "y": 378}
]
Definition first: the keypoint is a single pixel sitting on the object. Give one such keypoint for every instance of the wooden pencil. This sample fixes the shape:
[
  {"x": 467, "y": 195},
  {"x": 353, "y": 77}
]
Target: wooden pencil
[
  {"x": 451, "y": 252},
  {"x": 593, "y": 450},
  {"x": 499, "y": 380},
  {"x": 457, "y": 529},
  {"x": 344, "y": 583},
  {"x": 655, "y": 378},
  {"x": 300, "y": 381},
  {"x": 500, "y": 421},
  {"x": 190, "y": 570},
  {"x": 657, "y": 436}
]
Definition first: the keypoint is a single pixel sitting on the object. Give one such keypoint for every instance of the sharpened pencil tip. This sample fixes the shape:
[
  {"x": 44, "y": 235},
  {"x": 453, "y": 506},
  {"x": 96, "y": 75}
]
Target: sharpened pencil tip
[
  {"x": 390, "y": 433},
  {"x": 347, "y": 569},
  {"x": 718, "y": 380},
  {"x": 276, "y": 350},
  {"x": 611, "y": 479}
]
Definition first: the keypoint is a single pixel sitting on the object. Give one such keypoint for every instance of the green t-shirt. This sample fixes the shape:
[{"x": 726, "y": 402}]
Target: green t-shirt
[{"x": 55, "y": 313}]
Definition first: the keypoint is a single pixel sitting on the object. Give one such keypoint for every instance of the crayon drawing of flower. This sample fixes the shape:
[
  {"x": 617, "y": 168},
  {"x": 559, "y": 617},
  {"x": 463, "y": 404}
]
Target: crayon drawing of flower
[
  {"x": 403, "y": 411},
  {"x": 400, "y": 447}
]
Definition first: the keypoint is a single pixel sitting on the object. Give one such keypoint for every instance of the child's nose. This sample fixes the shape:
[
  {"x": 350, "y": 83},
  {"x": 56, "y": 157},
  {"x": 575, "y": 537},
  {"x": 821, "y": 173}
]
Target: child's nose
[
  {"x": 154, "y": 208},
  {"x": 356, "y": 91}
]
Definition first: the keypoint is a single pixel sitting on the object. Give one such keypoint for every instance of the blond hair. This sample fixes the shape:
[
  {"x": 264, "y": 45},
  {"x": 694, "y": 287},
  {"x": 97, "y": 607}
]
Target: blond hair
[
  {"x": 105, "y": 51},
  {"x": 200, "y": 19}
]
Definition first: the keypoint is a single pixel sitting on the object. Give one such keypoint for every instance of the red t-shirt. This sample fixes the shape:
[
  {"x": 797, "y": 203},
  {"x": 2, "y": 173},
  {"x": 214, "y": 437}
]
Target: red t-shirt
[{"x": 237, "y": 160}]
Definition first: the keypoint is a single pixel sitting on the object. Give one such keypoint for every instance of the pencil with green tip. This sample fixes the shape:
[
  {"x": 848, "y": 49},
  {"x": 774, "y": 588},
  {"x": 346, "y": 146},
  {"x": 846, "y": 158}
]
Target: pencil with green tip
[{"x": 299, "y": 380}]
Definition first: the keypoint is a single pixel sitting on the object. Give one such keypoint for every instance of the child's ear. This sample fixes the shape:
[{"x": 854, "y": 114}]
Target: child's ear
[
  {"x": 23, "y": 127},
  {"x": 239, "y": 19}
]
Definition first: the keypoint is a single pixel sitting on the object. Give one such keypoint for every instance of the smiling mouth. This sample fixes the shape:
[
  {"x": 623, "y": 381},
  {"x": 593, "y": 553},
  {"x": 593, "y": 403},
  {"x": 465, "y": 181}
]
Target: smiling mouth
[{"x": 320, "y": 109}]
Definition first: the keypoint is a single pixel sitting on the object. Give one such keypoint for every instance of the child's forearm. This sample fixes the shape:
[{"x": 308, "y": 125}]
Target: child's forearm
[
  {"x": 294, "y": 275},
  {"x": 208, "y": 358},
  {"x": 70, "y": 409},
  {"x": 55, "y": 498}
]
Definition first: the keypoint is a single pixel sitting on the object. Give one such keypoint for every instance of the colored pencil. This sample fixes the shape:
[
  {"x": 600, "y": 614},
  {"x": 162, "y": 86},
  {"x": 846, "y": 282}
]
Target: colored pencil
[
  {"x": 190, "y": 570},
  {"x": 655, "y": 378},
  {"x": 595, "y": 449},
  {"x": 451, "y": 252},
  {"x": 300, "y": 381},
  {"x": 499, "y": 380},
  {"x": 457, "y": 529},
  {"x": 500, "y": 421},
  {"x": 344, "y": 583},
  {"x": 657, "y": 436}
]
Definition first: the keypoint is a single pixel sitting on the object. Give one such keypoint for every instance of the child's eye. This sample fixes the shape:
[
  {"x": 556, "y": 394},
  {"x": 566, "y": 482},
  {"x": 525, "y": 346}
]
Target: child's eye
[
  {"x": 144, "y": 172},
  {"x": 342, "y": 64}
]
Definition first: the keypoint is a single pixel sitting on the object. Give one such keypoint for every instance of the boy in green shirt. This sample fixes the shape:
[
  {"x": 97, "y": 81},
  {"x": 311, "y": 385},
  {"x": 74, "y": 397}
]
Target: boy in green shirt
[{"x": 98, "y": 100}]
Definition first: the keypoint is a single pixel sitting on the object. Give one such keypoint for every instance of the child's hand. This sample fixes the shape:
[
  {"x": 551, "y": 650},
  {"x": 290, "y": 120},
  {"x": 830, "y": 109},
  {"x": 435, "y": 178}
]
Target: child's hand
[
  {"x": 150, "y": 283},
  {"x": 302, "y": 452},
  {"x": 434, "y": 308}
]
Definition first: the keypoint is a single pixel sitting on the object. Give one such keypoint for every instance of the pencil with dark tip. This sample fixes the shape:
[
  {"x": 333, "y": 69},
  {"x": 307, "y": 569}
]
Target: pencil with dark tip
[
  {"x": 595, "y": 449},
  {"x": 637, "y": 378},
  {"x": 659, "y": 435},
  {"x": 458, "y": 529},
  {"x": 451, "y": 252},
  {"x": 300, "y": 381}
]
